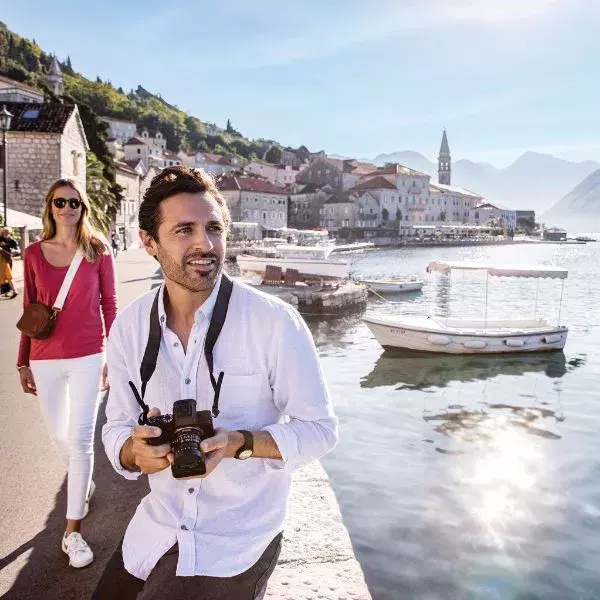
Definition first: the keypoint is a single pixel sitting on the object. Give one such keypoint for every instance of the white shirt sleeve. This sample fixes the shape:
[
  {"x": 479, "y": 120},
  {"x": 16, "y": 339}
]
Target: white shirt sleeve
[
  {"x": 300, "y": 393},
  {"x": 122, "y": 410}
]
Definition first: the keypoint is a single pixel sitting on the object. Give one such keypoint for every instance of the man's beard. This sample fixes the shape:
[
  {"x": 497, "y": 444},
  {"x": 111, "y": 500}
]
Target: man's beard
[{"x": 184, "y": 274}]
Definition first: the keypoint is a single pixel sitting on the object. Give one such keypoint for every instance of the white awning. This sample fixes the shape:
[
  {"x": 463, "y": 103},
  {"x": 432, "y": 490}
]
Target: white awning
[
  {"x": 19, "y": 219},
  {"x": 497, "y": 270}
]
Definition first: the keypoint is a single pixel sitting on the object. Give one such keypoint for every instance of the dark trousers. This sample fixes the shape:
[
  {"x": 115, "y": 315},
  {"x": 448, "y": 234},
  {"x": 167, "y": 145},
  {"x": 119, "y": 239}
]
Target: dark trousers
[{"x": 117, "y": 582}]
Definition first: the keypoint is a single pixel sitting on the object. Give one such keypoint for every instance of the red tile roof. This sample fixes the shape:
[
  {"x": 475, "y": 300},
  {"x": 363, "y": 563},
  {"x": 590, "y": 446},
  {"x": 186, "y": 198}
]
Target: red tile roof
[
  {"x": 135, "y": 141},
  {"x": 374, "y": 183},
  {"x": 248, "y": 184},
  {"x": 18, "y": 84}
]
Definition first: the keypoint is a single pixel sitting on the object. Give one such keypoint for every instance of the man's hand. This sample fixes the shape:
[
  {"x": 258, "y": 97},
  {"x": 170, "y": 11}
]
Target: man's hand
[
  {"x": 223, "y": 444},
  {"x": 27, "y": 381},
  {"x": 104, "y": 384},
  {"x": 137, "y": 455}
]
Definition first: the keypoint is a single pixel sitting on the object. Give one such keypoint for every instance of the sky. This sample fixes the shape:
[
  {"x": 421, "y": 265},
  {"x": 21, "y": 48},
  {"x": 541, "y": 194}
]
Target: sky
[{"x": 351, "y": 77}]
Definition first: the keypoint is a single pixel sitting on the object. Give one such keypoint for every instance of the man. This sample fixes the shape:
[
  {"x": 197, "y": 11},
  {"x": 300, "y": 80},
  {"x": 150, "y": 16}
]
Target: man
[{"x": 217, "y": 536}]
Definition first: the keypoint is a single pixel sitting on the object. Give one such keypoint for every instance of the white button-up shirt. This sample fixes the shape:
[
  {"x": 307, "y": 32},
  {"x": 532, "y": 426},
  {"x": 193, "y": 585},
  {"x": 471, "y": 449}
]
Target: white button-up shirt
[{"x": 272, "y": 382}]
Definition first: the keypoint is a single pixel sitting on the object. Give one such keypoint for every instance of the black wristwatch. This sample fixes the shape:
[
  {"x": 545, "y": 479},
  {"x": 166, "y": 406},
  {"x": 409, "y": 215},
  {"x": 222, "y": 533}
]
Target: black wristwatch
[{"x": 247, "y": 448}]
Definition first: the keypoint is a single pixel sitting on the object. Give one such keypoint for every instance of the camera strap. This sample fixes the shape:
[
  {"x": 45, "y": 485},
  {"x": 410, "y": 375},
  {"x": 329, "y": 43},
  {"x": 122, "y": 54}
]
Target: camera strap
[{"x": 150, "y": 358}]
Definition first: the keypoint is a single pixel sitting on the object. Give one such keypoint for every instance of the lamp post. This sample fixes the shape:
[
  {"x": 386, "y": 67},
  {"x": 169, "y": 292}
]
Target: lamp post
[{"x": 5, "y": 119}]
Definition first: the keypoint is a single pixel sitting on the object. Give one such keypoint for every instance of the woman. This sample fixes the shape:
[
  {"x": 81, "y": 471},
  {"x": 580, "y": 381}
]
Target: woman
[
  {"x": 64, "y": 370},
  {"x": 7, "y": 246}
]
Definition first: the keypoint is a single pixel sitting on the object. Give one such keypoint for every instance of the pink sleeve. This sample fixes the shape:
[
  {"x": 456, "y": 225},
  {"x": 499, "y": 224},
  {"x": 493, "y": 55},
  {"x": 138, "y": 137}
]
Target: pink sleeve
[
  {"x": 108, "y": 291},
  {"x": 29, "y": 295}
]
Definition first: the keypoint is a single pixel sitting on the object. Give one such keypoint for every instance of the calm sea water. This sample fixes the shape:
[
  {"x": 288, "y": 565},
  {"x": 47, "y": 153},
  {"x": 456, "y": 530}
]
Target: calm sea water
[{"x": 472, "y": 477}]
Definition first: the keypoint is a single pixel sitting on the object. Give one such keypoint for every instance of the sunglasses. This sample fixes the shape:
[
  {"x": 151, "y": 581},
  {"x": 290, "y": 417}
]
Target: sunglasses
[{"x": 62, "y": 202}]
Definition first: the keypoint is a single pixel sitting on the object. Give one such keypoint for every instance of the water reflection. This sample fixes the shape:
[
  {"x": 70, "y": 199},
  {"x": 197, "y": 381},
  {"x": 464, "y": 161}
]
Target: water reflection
[{"x": 420, "y": 371}]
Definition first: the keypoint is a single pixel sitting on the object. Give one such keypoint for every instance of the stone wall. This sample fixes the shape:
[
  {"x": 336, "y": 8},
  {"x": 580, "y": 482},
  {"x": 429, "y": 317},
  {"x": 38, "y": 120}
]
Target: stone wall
[
  {"x": 33, "y": 166},
  {"x": 37, "y": 160},
  {"x": 72, "y": 151}
]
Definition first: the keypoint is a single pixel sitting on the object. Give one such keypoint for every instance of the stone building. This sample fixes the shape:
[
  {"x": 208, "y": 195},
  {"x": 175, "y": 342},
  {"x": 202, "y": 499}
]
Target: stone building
[
  {"x": 304, "y": 207},
  {"x": 120, "y": 129},
  {"x": 15, "y": 91},
  {"x": 251, "y": 199},
  {"x": 45, "y": 142}
]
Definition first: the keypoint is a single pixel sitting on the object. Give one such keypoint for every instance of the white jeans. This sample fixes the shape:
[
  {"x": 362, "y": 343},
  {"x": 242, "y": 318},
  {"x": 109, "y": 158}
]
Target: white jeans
[{"x": 68, "y": 391}]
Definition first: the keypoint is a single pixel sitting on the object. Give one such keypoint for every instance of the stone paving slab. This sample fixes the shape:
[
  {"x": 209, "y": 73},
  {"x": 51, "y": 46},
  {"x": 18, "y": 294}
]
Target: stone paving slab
[{"x": 317, "y": 560}]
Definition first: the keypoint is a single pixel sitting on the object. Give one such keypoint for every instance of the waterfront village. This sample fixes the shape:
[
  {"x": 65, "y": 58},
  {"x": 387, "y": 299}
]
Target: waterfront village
[
  {"x": 288, "y": 215},
  {"x": 351, "y": 200}
]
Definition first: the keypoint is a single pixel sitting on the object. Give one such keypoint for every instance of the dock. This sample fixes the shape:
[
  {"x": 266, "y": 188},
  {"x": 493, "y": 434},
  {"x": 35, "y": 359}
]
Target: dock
[
  {"x": 322, "y": 300},
  {"x": 317, "y": 559}
]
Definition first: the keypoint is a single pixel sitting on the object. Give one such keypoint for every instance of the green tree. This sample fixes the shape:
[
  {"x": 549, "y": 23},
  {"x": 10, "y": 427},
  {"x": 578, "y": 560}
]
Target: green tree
[
  {"x": 385, "y": 214},
  {"x": 274, "y": 155},
  {"x": 398, "y": 215},
  {"x": 103, "y": 204}
]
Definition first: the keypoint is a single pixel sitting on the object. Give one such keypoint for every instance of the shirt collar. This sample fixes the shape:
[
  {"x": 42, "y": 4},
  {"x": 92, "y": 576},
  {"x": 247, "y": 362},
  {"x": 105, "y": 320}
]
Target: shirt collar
[{"x": 204, "y": 312}]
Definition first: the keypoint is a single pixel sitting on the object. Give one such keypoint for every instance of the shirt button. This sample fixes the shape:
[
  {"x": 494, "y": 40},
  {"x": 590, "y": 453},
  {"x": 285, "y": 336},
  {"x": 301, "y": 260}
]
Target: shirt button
[
  {"x": 190, "y": 490},
  {"x": 162, "y": 319},
  {"x": 187, "y": 381},
  {"x": 176, "y": 344},
  {"x": 184, "y": 527}
]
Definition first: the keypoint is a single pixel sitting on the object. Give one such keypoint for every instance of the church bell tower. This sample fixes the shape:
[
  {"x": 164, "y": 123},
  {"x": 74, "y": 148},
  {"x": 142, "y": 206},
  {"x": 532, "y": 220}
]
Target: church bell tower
[{"x": 444, "y": 162}]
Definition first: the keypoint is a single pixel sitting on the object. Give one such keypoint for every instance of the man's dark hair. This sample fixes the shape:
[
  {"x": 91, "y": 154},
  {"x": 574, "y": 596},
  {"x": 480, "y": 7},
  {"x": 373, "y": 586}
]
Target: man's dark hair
[{"x": 176, "y": 180}]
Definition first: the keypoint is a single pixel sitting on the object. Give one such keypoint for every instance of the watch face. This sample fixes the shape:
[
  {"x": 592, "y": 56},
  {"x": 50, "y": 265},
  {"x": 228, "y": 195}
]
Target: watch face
[{"x": 245, "y": 454}]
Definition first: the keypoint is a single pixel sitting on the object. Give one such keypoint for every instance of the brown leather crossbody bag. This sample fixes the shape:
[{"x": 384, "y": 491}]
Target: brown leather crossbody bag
[{"x": 37, "y": 320}]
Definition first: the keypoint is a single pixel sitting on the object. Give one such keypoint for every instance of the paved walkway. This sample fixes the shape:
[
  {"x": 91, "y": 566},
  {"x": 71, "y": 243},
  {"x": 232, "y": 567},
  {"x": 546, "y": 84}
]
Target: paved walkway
[{"x": 317, "y": 560}]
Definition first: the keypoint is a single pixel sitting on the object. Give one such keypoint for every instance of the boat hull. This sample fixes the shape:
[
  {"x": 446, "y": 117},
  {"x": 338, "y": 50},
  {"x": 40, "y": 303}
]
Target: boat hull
[
  {"x": 454, "y": 340},
  {"x": 327, "y": 269},
  {"x": 392, "y": 287}
]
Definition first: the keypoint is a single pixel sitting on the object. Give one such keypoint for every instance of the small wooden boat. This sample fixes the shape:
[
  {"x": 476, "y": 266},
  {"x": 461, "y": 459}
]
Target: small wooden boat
[
  {"x": 473, "y": 336},
  {"x": 392, "y": 286}
]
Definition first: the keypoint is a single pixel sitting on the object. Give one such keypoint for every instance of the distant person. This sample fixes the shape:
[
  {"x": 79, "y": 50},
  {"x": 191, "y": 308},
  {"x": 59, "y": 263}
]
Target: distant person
[
  {"x": 215, "y": 536},
  {"x": 65, "y": 370},
  {"x": 114, "y": 242},
  {"x": 8, "y": 247}
]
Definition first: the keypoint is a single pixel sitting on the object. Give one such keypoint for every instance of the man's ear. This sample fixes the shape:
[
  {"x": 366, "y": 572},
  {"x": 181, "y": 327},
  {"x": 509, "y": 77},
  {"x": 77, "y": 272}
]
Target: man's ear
[{"x": 148, "y": 243}]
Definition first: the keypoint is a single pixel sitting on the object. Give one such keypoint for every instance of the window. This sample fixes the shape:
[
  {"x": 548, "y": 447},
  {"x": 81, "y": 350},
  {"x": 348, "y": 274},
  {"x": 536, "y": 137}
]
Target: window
[
  {"x": 31, "y": 114},
  {"x": 139, "y": 151}
]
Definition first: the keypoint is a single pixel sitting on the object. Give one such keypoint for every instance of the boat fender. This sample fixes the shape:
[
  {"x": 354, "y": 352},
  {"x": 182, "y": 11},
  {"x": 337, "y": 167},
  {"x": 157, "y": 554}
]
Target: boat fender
[
  {"x": 439, "y": 340},
  {"x": 475, "y": 344},
  {"x": 514, "y": 343},
  {"x": 551, "y": 339}
]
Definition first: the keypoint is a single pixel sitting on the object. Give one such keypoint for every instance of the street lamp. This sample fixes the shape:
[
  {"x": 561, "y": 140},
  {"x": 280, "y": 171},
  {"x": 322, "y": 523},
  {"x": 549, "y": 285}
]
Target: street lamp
[{"x": 5, "y": 119}]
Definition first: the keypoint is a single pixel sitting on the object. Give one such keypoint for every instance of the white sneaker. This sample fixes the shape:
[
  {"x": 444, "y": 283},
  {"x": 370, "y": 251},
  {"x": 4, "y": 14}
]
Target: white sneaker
[
  {"x": 86, "y": 508},
  {"x": 80, "y": 554}
]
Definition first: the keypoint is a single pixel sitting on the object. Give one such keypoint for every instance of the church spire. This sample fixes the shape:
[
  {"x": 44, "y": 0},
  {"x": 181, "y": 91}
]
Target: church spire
[
  {"x": 444, "y": 162},
  {"x": 55, "y": 78}
]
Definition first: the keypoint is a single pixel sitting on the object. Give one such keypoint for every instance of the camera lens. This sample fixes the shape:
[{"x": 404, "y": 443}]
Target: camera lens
[{"x": 186, "y": 450}]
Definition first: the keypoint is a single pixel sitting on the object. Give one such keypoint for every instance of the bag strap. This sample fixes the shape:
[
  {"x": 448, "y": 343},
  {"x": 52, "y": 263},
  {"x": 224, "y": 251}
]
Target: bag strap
[
  {"x": 68, "y": 280},
  {"x": 150, "y": 358}
]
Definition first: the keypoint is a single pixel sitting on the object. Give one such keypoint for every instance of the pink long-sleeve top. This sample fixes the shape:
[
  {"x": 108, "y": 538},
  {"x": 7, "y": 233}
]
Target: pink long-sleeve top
[{"x": 79, "y": 329}]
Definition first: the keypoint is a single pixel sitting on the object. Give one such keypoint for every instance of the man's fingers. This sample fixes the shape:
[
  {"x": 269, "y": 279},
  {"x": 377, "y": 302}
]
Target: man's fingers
[
  {"x": 154, "y": 412},
  {"x": 146, "y": 450},
  {"x": 218, "y": 441},
  {"x": 144, "y": 432},
  {"x": 151, "y": 465}
]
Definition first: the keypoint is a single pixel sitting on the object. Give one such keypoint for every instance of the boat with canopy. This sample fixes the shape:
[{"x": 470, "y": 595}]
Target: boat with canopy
[{"x": 475, "y": 336}]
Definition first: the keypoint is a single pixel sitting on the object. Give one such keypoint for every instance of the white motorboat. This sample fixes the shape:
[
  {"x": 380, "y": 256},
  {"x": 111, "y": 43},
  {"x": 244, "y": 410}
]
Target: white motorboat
[
  {"x": 326, "y": 269},
  {"x": 392, "y": 286},
  {"x": 472, "y": 336}
]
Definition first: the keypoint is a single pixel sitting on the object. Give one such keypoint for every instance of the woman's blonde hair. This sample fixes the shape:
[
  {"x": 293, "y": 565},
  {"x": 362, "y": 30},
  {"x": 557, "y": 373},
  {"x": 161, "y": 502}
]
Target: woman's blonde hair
[{"x": 89, "y": 241}]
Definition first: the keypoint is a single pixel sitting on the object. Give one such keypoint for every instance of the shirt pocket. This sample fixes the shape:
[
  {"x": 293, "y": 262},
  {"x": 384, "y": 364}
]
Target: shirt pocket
[{"x": 245, "y": 401}]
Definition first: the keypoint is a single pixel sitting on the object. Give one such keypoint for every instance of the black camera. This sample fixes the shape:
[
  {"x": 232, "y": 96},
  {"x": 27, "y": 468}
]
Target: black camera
[{"x": 184, "y": 430}]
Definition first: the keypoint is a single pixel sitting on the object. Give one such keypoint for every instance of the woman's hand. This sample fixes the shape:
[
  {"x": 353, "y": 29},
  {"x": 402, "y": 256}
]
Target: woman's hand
[
  {"x": 104, "y": 385},
  {"x": 27, "y": 381}
]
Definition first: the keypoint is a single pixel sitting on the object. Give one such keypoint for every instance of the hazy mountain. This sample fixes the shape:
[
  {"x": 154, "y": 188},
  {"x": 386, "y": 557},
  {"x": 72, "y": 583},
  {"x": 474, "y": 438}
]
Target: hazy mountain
[
  {"x": 533, "y": 182},
  {"x": 580, "y": 208}
]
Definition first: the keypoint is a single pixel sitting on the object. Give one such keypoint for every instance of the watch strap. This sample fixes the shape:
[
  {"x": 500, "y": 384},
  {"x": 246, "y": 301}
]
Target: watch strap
[{"x": 247, "y": 445}]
